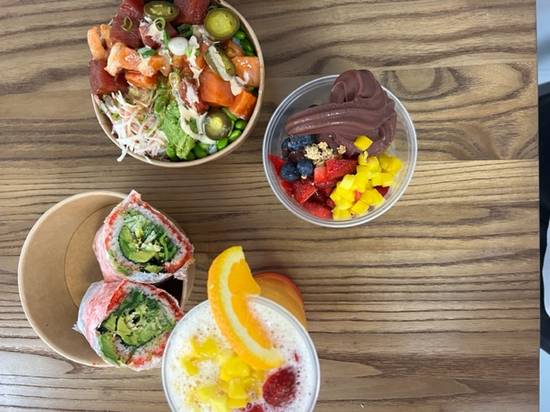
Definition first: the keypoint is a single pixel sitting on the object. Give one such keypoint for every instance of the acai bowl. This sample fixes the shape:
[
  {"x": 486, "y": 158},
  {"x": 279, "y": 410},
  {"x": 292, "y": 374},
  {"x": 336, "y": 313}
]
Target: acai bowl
[
  {"x": 340, "y": 150},
  {"x": 176, "y": 84}
]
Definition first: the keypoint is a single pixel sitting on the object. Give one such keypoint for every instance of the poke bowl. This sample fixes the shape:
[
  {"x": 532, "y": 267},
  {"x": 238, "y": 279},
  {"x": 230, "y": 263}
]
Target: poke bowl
[
  {"x": 325, "y": 179},
  {"x": 176, "y": 84}
]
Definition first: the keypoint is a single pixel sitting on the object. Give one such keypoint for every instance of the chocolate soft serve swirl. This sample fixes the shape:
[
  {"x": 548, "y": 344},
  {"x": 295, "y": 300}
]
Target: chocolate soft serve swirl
[{"x": 358, "y": 106}]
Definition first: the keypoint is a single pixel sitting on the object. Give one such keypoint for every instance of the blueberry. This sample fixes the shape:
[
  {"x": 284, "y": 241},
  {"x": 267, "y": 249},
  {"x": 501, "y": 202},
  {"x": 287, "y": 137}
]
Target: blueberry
[
  {"x": 289, "y": 172},
  {"x": 296, "y": 156},
  {"x": 305, "y": 167},
  {"x": 284, "y": 144},
  {"x": 298, "y": 142}
]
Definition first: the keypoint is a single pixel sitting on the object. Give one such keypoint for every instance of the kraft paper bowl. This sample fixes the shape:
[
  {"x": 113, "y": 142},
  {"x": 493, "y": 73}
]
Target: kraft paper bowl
[{"x": 56, "y": 267}]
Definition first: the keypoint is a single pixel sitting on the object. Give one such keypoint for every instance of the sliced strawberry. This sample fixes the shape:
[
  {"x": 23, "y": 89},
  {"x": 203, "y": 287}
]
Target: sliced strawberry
[
  {"x": 287, "y": 186},
  {"x": 320, "y": 175},
  {"x": 280, "y": 388},
  {"x": 317, "y": 209},
  {"x": 303, "y": 190},
  {"x": 327, "y": 187},
  {"x": 382, "y": 190},
  {"x": 337, "y": 168},
  {"x": 276, "y": 162}
]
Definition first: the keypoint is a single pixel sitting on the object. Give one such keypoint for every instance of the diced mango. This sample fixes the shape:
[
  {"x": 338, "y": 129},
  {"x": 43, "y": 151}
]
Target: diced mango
[
  {"x": 364, "y": 171},
  {"x": 343, "y": 204},
  {"x": 390, "y": 164},
  {"x": 347, "y": 182},
  {"x": 376, "y": 179},
  {"x": 209, "y": 348},
  {"x": 237, "y": 403},
  {"x": 338, "y": 214},
  {"x": 207, "y": 392},
  {"x": 363, "y": 158},
  {"x": 361, "y": 182},
  {"x": 372, "y": 197},
  {"x": 189, "y": 365},
  {"x": 362, "y": 142},
  {"x": 236, "y": 389},
  {"x": 373, "y": 164},
  {"x": 386, "y": 179},
  {"x": 234, "y": 367},
  {"x": 359, "y": 208}
]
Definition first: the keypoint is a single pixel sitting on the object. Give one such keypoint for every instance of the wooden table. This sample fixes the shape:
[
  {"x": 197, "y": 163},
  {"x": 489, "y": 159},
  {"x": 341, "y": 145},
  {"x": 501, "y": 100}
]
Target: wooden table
[{"x": 432, "y": 307}]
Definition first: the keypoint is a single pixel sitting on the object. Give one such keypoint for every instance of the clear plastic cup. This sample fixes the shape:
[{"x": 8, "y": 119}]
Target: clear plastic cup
[
  {"x": 312, "y": 362},
  {"x": 317, "y": 91}
]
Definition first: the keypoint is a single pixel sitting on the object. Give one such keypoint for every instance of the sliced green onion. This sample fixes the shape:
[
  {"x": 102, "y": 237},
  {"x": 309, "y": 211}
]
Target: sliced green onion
[
  {"x": 127, "y": 23},
  {"x": 146, "y": 52},
  {"x": 159, "y": 23},
  {"x": 229, "y": 114}
]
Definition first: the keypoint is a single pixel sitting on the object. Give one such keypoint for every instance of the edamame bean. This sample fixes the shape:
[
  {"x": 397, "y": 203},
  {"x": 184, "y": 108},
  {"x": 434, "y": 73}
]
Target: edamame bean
[
  {"x": 199, "y": 152},
  {"x": 240, "y": 124},
  {"x": 222, "y": 143},
  {"x": 234, "y": 135},
  {"x": 240, "y": 35}
]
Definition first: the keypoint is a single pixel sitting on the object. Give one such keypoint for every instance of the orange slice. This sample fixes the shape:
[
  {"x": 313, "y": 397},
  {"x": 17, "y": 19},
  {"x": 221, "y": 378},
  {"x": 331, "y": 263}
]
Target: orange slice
[{"x": 230, "y": 284}]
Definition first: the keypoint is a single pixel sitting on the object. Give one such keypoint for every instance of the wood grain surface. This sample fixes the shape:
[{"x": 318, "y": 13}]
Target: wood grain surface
[{"x": 432, "y": 307}]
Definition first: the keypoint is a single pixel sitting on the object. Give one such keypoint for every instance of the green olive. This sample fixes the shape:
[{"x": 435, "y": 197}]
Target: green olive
[
  {"x": 161, "y": 9},
  {"x": 217, "y": 125},
  {"x": 221, "y": 23}
]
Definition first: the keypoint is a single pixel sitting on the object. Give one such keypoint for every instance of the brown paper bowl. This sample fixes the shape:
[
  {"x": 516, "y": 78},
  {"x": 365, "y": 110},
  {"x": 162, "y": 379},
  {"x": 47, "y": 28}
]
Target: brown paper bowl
[
  {"x": 56, "y": 266},
  {"x": 107, "y": 128}
]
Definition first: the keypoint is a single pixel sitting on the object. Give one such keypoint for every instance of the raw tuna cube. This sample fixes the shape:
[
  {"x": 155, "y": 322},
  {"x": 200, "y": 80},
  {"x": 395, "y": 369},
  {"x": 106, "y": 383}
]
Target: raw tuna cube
[
  {"x": 132, "y": 37},
  {"x": 102, "y": 82},
  {"x": 131, "y": 8},
  {"x": 191, "y": 11}
]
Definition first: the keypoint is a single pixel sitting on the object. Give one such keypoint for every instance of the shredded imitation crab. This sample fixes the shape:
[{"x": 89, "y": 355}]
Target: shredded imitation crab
[{"x": 134, "y": 123}]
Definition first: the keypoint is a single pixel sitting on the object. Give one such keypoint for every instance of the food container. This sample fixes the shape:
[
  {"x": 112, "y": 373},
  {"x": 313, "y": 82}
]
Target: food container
[
  {"x": 317, "y": 91},
  {"x": 313, "y": 360},
  {"x": 56, "y": 266},
  {"x": 106, "y": 124}
]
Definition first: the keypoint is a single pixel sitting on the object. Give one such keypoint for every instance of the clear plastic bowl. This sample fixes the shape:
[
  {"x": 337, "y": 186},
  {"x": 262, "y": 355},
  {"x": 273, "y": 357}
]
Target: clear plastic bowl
[
  {"x": 317, "y": 91},
  {"x": 313, "y": 360}
]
